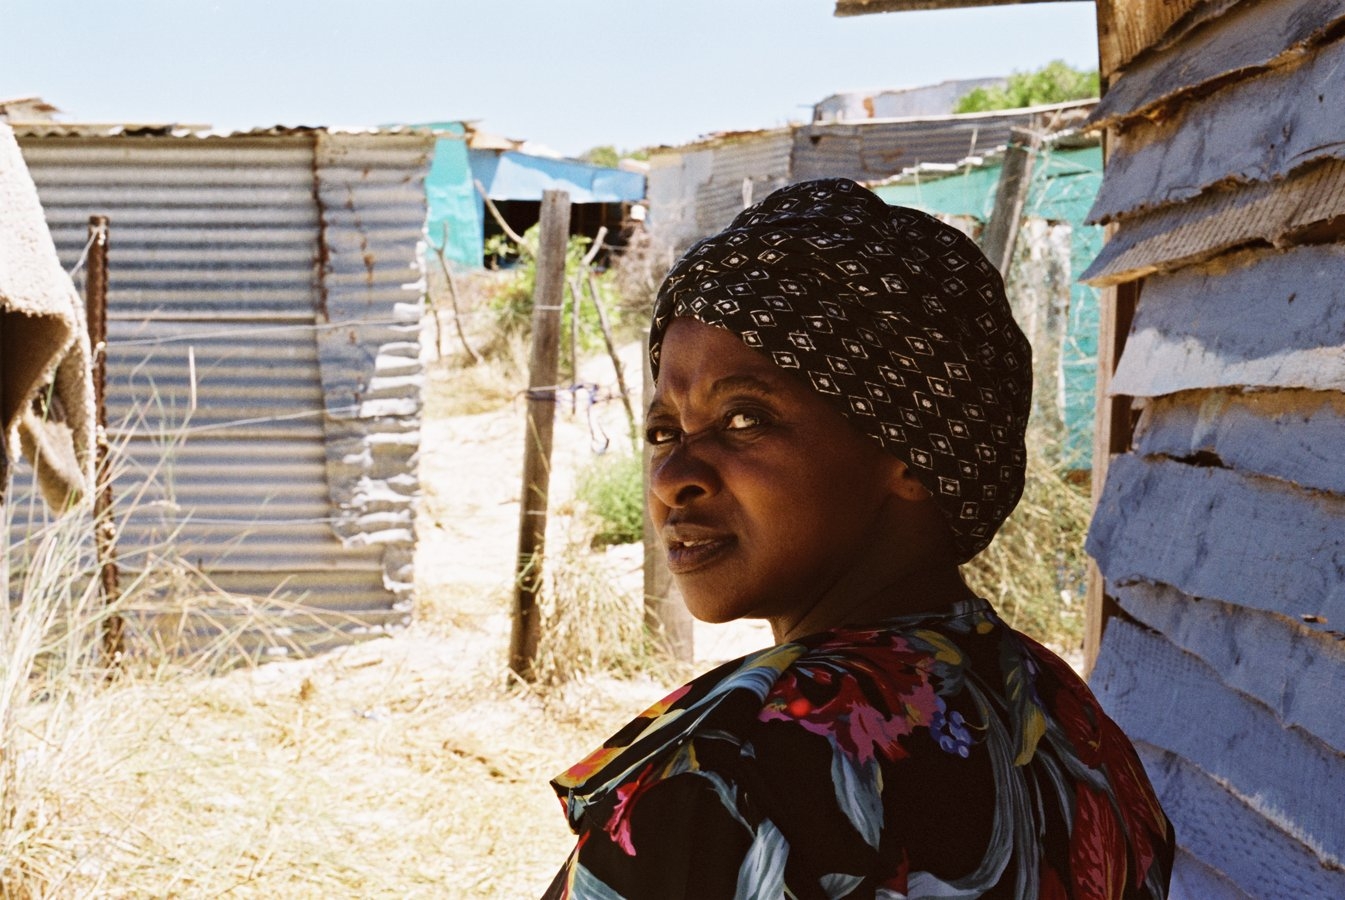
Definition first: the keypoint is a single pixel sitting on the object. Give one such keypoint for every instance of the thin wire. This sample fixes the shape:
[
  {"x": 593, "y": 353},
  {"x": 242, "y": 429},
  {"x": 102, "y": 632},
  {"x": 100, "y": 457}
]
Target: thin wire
[
  {"x": 97, "y": 233},
  {"x": 240, "y": 332}
]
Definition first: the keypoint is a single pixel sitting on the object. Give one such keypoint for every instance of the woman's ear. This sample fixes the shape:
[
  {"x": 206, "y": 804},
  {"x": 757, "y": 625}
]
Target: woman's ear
[{"x": 904, "y": 484}]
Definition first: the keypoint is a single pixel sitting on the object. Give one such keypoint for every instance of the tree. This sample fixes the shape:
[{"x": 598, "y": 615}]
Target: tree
[{"x": 1055, "y": 82}]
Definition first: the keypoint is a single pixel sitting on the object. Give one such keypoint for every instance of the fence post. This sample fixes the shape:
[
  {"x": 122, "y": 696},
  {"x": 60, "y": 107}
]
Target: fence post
[
  {"x": 1015, "y": 178},
  {"x": 665, "y": 615},
  {"x": 105, "y": 526},
  {"x": 548, "y": 295}
]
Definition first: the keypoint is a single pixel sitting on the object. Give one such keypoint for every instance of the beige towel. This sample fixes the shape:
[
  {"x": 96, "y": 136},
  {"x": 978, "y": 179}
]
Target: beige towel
[{"x": 46, "y": 387}]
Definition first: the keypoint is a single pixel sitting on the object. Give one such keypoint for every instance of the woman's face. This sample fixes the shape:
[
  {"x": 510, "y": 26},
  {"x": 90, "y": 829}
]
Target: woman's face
[{"x": 765, "y": 498}]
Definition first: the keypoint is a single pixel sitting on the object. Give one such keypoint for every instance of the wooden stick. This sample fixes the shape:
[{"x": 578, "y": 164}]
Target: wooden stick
[
  {"x": 665, "y": 615},
  {"x": 453, "y": 297},
  {"x": 548, "y": 295},
  {"x": 499, "y": 219},
  {"x": 616, "y": 359}
]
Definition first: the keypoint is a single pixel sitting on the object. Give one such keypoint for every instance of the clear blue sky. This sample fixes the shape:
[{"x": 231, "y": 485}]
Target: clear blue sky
[{"x": 570, "y": 74}]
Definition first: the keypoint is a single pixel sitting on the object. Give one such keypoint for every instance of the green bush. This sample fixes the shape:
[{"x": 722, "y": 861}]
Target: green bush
[
  {"x": 1056, "y": 82},
  {"x": 612, "y": 487}
]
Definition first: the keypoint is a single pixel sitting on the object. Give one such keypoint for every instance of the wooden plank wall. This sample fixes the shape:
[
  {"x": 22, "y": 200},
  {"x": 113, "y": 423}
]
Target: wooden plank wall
[{"x": 1220, "y": 529}]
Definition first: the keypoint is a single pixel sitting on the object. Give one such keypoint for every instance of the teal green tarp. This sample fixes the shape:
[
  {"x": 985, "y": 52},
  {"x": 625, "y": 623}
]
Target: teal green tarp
[
  {"x": 455, "y": 210},
  {"x": 1064, "y": 184}
]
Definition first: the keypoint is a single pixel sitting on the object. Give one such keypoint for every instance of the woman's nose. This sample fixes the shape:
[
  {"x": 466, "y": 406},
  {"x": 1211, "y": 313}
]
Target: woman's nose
[{"x": 682, "y": 474}]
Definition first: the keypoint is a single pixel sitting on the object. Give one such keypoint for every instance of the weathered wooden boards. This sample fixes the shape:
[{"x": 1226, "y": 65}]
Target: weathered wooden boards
[
  {"x": 1256, "y": 320},
  {"x": 1243, "y": 134},
  {"x": 1246, "y": 39},
  {"x": 1253, "y": 542},
  {"x": 1246, "y": 795},
  {"x": 1220, "y": 529},
  {"x": 1295, "y": 436}
]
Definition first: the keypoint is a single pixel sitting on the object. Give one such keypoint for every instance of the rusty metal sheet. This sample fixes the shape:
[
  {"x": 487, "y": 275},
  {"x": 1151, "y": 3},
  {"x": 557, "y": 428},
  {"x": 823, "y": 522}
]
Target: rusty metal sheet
[
  {"x": 217, "y": 294},
  {"x": 1258, "y": 320},
  {"x": 1250, "y": 38},
  {"x": 1255, "y": 130},
  {"x": 1277, "y": 213}
]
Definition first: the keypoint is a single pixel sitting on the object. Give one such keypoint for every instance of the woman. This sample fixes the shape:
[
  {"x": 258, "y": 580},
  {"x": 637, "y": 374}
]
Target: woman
[{"x": 837, "y": 424}]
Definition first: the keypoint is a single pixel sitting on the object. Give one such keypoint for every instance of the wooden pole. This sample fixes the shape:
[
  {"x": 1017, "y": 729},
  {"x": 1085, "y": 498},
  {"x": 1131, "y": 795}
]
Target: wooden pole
[
  {"x": 617, "y": 367},
  {"x": 547, "y": 298},
  {"x": 105, "y": 527},
  {"x": 1015, "y": 178},
  {"x": 665, "y": 615}
]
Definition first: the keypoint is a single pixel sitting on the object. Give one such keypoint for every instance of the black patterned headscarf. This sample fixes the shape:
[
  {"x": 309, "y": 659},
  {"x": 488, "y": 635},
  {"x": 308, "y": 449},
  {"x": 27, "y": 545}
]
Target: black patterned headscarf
[{"x": 894, "y": 318}]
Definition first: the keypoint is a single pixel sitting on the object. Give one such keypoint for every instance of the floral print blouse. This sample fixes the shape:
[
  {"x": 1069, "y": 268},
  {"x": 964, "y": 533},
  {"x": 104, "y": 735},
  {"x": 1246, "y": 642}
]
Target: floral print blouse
[{"x": 944, "y": 755}]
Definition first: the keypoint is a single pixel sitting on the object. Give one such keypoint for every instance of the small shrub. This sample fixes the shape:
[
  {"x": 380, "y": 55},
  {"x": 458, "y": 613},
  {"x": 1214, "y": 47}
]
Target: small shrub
[{"x": 612, "y": 487}]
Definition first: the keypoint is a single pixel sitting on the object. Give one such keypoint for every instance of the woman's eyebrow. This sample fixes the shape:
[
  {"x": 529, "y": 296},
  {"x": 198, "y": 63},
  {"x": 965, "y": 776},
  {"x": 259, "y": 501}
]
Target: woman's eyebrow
[
  {"x": 750, "y": 383},
  {"x": 729, "y": 384}
]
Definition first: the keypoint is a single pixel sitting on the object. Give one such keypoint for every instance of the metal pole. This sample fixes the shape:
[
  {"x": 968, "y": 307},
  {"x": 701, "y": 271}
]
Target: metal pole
[
  {"x": 547, "y": 298},
  {"x": 105, "y": 528}
]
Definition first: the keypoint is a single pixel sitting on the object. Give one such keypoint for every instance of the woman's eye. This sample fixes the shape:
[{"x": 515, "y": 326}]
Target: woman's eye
[
  {"x": 660, "y": 435},
  {"x": 740, "y": 420}
]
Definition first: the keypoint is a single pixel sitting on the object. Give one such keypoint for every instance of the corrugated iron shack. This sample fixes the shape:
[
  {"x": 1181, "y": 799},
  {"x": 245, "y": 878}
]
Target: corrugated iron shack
[
  {"x": 263, "y": 359},
  {"x": 696, "y": 189},
  {"x": 1219, "y": 531}
]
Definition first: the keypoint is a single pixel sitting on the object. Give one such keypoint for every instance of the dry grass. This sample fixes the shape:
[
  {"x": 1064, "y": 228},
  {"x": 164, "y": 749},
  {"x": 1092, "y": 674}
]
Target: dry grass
[
  {"x": 1034, "y": 571},
  {"x": 405, "y": 767}
]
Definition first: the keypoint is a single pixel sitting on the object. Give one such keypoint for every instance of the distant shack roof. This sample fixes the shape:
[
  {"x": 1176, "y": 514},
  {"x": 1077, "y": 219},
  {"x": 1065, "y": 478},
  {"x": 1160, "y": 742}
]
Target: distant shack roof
[{"x": 864, "y": 7}]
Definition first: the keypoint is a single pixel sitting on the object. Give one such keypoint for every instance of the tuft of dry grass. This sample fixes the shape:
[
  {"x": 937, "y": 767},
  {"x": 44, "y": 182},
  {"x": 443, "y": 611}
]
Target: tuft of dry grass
[
  {"x": 1034, "y": 570},
  {"x": 592, "y": 610}
]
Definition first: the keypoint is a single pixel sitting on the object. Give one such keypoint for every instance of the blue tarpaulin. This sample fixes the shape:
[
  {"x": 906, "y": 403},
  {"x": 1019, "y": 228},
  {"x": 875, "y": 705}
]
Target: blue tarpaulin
[
  {"x": 456, "y": 210},
  {"x": 517, "y": 176}
]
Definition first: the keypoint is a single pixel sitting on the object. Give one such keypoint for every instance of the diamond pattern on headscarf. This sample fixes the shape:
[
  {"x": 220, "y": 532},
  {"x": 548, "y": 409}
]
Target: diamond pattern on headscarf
[{"x": 894, "y": 318}]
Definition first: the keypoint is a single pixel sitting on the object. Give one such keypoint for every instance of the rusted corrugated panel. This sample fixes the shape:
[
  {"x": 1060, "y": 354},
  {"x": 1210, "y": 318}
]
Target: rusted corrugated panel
[
  {"x": 742, "y": 171},
  {"x": 213, "y": 292},
  {"x": 873, "y": 151},
  {"x": 1250, "y": 38},
  {"x": 1244, "y": 133},
  {"x": 1280, "y": 323},
  {"x": 371, "y": 192},
  {"x": 1220, "y": 220},
  {"x": 696, "y": 190}
]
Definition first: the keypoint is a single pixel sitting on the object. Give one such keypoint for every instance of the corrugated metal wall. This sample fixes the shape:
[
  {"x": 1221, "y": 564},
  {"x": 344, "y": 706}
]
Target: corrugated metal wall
[
  {"x": 696, "y": 190},
  {"x": 1220, "y": 532},
  {"x": 872, "y": 151},
  {"x": 263, "y": 374}
]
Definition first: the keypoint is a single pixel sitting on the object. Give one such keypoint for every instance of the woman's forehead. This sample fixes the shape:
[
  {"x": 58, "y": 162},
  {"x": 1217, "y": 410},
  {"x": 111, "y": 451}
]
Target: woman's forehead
[{"x": 702, "y": 361}]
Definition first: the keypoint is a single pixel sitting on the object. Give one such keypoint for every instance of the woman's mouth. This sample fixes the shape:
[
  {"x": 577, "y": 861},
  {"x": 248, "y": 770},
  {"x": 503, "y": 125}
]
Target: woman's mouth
[{"x": 689, "y": 554}]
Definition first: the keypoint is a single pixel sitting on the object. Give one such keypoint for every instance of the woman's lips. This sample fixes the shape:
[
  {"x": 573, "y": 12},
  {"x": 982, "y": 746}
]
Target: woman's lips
[{"x": 689, "y": 552}]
